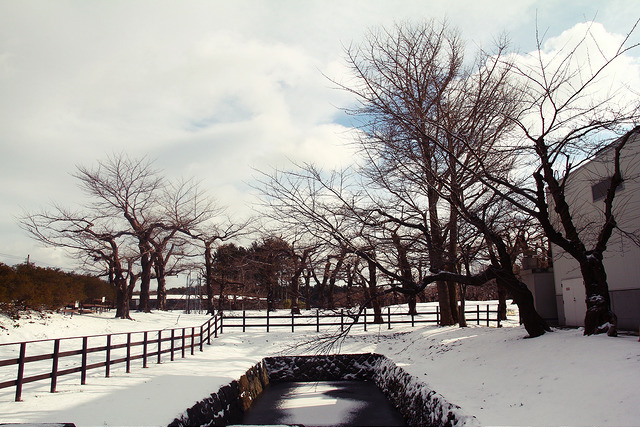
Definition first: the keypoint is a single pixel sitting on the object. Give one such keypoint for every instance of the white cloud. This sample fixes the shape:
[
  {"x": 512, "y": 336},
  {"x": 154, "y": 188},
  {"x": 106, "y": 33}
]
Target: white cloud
[
  {"x": 209, "y": 88},
  {"x": 573, "y": 64}
]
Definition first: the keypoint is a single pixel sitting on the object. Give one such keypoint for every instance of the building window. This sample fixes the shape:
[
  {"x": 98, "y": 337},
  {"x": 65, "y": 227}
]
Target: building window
[{"x": 599, "y": 190}]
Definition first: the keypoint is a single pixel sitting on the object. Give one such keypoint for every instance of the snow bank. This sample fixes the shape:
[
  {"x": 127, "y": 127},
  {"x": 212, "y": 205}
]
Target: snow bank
[
  {"x": 418, "y": 403},
  {"x": 561, "y": 378}
]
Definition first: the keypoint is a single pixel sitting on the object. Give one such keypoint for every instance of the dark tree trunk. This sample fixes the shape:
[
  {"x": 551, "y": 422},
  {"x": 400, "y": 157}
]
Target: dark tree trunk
[
  {"x": 333, "y": 277},
  {"x": 373, "y": 293},
  {"x": 599, "y": 317},
  {"x": 145, "y": 280},
  {"x": 307, "y": 285},
  {"x": 502, "y": 271},
  {"x": 502, "y": 302},
  {"x": 162, "y": 286},
  {"x": 330, "y": 303},
  {"x": 208, "y": 278},
  {"x": 300, "y": 265},
  {"x": 349, "y": 285},
  {"x": 462, "y": 320},
  {"x": 295, "y": 291},
  {"x": 123, "y": 295},
  {"x": 453, "y": 301},
  {"x": 452, "y": 253},
  {"x": 523, "y": 298},
  {"x": 295, "y": 307},
  {"x": 122, "y": 299},
  {"x": 270, "y": 298},
  {"x": 444, "y": 303},
  {"x": 412, "y": 303},
  {"x": 322, "y": 285},
  {"x": 436, "y": 256},
  {"x": 405, "y": 272}
]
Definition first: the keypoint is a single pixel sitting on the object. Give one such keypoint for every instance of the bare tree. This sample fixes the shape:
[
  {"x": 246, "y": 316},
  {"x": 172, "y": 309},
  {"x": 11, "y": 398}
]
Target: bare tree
[
  {"x": 97, "y": 241},
  {"x": 300, "y": 253},
  {"x": 128, "y": 188},
  {"x": 568, "y": 111},
  {"x": 371, "y": 287},
  {"x": 405, "y": 268},
  {"x": 415, "y": 95},
  {"x": 326, "y": 207},
  {"x": 572, "y": 117},
  {"x": 332, "y": 268},
  {"x": 182, "y": 208},
  {"x": 208, "y": 235}
]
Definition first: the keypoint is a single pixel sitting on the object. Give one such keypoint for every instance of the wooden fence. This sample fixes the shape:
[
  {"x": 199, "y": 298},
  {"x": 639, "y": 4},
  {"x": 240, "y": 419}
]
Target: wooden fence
[
  {"x": 82, "y": 354},
  {"x": 102, "y": 351},
  {"x": 486, "y": 315}
]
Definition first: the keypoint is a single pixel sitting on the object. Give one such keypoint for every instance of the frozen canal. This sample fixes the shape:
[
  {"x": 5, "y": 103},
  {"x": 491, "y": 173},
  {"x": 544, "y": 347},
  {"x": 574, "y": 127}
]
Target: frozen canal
[{"x": 324, "y": 403}]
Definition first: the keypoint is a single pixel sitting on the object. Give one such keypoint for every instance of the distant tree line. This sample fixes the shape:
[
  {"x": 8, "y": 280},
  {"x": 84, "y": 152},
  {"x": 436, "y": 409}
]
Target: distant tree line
[
  {"x": 28, "y": 287},
  {"x": 272, "y": 273}
]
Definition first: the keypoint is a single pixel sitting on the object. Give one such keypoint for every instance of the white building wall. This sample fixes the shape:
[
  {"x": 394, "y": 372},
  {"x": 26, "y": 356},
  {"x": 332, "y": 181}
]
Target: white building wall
[{"x": 622, "y": 257}]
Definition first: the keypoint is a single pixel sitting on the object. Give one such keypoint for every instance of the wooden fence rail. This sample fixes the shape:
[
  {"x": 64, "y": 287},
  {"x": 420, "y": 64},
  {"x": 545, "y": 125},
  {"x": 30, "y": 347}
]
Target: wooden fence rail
[
  {"x": 127, "y": 347},
  {"x": 150, "y": 343},
  {"x": 480, "y": 315}
]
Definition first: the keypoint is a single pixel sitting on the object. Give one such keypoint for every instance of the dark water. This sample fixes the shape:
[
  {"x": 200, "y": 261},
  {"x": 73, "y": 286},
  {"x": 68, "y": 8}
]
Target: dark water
[{"x": 324, "y": 403}]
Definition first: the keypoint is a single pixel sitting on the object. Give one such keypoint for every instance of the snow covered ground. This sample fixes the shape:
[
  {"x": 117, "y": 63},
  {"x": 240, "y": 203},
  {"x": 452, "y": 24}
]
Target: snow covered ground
[{"x": 561, "y": 378}]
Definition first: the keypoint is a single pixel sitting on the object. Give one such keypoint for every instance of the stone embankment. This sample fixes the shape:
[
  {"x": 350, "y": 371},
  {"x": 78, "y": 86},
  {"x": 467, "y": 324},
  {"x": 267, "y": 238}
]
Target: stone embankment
[{"x": 419, "y": 405}]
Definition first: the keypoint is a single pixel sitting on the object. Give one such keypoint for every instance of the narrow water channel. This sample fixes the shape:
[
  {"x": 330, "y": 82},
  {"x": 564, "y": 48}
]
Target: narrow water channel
[{"x": 323, "y": 403}]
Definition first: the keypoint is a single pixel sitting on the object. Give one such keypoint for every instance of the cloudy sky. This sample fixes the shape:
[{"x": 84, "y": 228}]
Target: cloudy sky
[{"x": 209, "y": 89}]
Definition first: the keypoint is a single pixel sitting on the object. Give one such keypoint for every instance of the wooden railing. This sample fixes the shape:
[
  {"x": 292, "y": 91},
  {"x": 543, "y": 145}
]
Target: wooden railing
[
  {"x": 486, "y": 315},
  {"x": 82, "y": 354},
  {"x": 102, "y": 351}
]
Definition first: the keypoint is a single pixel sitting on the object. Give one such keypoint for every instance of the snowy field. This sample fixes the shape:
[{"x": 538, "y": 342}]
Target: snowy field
[{"x": 561, "y": 378}]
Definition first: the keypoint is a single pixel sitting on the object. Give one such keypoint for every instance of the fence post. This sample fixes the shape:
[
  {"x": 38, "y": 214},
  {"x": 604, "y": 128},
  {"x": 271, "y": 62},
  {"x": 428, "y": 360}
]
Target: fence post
[
  {"x": 209, "y": 331},
  {"x": 159, "y": 346},
  {"x": 201, "y": 338},
  {"x": 488, "y": 315},
  {"x": 193, "y": 333},
  {"x": 267, "y": 320},
  {"x": 107, "y": 368},
  {"x": 221, "y": 323},
  {"x": 437, "y": 314},
  {"x": 317, "y": 320},
  {"x": 128, "y": 352},
  {"x": 54, "y": 367},
  {"x": 184, "y": 331},
  {"x": 292, "y": 322},
  {"x": 83, "y": 373},
  {"x": 23, "y": 352},
  {"x": 341, "y": 320},
  {"x": 498, "y": 317},
  {"x": 144, "y": 350},
  {"x": 389, "y": 316},
  {"x": 244, "y": 320},
  {"x": 173, "y": 344},
  {"x": 365, "y": 319},
  {"x": 477, "y": 314},
  {"x": 413, "y": 320}
]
